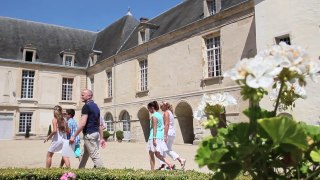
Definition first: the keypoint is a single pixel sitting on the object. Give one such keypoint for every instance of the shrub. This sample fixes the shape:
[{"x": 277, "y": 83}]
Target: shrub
[
  {"x": 106, "y": 135},
  {"x": 49, "y": 130},
  {"x": 119, "y": 135},
  {"x": 99, "y": 174}
]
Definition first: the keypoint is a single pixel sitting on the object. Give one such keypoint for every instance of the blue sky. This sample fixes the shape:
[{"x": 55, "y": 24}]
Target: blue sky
[{"x": 90, "y": 15}]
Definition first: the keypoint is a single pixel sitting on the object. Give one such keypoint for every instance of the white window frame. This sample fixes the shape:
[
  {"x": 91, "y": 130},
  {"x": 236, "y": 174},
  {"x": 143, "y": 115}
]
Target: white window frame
[
  {"x": 27, "y": 84},
  {"x": 67, "y": 89},
  {"x": 125, "y": 118},
  {"x": 211, "y": 7},
  {"x": 24, "y": 120},
  {"x": 34, "y": 54},
  {"x": 109, "y": 84},
  {"x": 66, "y": 58},
  {"x": 92, "y": 84},
  {"x": 143, "y": 75},
  {"x": 109, "y": 122},
  {"x": 213, "y": 55},
  {"x": 144, "y": 35}
]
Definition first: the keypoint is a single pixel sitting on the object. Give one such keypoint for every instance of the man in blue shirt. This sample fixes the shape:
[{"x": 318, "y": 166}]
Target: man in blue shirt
[{"x": 90, "y": 126}]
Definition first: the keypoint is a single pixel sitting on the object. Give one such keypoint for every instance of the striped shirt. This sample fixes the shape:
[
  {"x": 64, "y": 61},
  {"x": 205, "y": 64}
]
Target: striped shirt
[{"x": 73, "y": 126}]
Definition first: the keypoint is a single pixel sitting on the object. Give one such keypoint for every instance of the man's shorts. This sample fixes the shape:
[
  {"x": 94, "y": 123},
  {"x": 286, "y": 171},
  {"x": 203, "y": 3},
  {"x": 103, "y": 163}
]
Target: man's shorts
[{"x": 77, "y": 150}]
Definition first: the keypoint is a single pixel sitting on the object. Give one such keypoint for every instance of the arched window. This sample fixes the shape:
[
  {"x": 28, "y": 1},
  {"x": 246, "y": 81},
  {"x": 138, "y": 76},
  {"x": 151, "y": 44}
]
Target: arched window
[
  {"x": 125, "y": 118},
  {"x": 109, "y": 122}
]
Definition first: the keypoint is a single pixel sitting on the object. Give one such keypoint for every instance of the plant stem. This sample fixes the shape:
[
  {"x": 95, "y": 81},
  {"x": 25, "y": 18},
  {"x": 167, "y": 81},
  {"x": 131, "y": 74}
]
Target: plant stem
[
  {"x": 314, "y": 174},
  {"x": 278, "y": 98}
]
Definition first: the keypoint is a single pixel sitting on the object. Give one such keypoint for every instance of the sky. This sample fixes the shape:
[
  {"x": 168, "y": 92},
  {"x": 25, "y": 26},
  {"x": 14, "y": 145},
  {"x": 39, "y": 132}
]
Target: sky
[{"x": 92, "y": 15}]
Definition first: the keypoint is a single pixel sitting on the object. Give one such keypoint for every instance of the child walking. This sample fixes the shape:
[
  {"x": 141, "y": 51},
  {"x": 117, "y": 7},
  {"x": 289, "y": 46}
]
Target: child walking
[
  {"x": 73, "y": 126},
  {"x": 156, "y": 145},
  {"x": 59, "y": 132}
]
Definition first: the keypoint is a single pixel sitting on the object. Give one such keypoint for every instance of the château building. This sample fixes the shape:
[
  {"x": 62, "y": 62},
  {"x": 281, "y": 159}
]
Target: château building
[{"x": 176, "y": 57}]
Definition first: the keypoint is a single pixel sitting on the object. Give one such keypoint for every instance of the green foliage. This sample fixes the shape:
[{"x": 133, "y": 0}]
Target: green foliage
[
  {"x": 100, "y": 174},
  {"x": 119, "y": 135},
  {"x": 106, "y": 134},
  {"x": 284, "y": 130},
  {"x": 27, "y": 135},
  {"x": 273, "y": 147},
  {"x": 49, "y": 130}
]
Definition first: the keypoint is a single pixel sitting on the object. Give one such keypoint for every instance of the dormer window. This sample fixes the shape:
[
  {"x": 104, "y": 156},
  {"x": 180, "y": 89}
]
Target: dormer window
[
  {"x": 211, "y": 7},
  {"x": 29, "y": 54},
  {"x": 68, "y": 57},
  {"x": 94, "y": 57},
  {"x": 68, "y": 60},
  {"x": 145, "y": 30},
  {"x": 143, "y": 36}
]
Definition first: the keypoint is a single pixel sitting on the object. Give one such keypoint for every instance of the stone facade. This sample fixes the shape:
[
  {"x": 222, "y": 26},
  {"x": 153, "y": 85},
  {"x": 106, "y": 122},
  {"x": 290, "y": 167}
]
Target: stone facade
[{"x": 177, "y": 69}]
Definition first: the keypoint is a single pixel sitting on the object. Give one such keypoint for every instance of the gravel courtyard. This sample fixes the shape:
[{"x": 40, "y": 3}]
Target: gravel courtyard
[{"x": 32, "y": 154}]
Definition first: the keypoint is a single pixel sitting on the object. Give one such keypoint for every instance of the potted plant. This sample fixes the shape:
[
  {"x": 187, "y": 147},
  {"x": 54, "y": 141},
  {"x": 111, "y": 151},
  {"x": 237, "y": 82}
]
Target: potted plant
[
  {"x": 119, "y": 135},
  {"x": 269, "y": 145},
  {"x": 106, "y": 135}
]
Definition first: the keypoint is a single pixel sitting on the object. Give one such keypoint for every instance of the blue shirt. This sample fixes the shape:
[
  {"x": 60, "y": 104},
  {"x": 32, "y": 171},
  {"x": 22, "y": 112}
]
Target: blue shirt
[
  {"x": 93, "y": 121},
  {"x": 160, "y": 126},
  {"x": 73, "y": 126}
]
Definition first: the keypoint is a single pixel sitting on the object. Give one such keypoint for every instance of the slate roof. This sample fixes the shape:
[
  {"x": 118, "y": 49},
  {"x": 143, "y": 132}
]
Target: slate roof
[
  {"x": 122, "y": 35},
  {"x": 112, "y": 37},
  {"x": 181, "y": 15},
  {"x": 49, "y": 40}
]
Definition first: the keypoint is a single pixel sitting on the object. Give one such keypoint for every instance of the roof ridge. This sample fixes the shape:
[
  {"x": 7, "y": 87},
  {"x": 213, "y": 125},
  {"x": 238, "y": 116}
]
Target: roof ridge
[
  {"x": 114, "y": 22},
  {"x": 47, "y": 24}
]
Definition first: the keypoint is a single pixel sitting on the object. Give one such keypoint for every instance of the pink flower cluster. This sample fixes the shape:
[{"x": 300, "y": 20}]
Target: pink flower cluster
[{"x": 67, "y": 176}]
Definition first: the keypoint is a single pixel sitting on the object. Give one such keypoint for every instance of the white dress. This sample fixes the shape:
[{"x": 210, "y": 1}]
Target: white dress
[{"x": 57, "y": 142}]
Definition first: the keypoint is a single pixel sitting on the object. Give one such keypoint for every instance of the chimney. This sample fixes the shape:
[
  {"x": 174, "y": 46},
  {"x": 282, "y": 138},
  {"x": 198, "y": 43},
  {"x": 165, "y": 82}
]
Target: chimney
[{"x": 143, "y": 20}]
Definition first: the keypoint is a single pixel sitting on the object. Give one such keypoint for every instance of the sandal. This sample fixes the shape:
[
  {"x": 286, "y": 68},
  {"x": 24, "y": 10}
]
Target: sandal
[
  {"x": 172, "y": 167},
  {"x": 183, "y": 163},
  {"x": 161, "y": 167}
]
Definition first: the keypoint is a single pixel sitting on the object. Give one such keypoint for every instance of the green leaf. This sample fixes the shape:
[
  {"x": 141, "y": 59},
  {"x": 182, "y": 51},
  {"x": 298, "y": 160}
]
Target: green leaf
[
  {"x": 315, "y": 156},
  {"x": 284, "y": 130}
]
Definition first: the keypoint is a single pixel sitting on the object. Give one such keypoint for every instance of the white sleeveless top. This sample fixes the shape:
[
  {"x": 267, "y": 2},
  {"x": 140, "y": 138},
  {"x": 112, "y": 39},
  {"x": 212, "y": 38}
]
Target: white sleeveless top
[{"x": 171, "y": 131}]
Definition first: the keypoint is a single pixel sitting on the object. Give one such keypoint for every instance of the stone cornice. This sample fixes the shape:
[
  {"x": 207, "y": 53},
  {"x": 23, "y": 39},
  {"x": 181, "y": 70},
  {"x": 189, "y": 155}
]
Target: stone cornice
[
  {"x": 41, "y": 66},
  {"x": 175, "y": 97}
]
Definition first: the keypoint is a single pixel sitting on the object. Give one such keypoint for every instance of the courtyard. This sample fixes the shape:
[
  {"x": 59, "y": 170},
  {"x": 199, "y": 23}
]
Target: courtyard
[{"x": 32, "y": 154}]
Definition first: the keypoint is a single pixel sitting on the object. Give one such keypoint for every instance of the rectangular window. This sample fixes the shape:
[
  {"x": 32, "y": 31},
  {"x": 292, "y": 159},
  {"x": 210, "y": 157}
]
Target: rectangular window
[
  {"x": 109, "y": 82},
  {"x": 143, "y": 36},
  {"x": 29, "y": 56},
  {"x": 68, "y": 61},
  {"x": 109, "y": 125},
  {"x": 92, "y": 84},
  {"x": 25, "y": 121},
  {"x": 67, "y": 84},
  {"x": 143, "y": 75},
  {"x": 213, "y": 56},
  {"x": 27, "y": 84},
  {"x": 285, "y": 38},
  {"x": 212, "y": 7}
]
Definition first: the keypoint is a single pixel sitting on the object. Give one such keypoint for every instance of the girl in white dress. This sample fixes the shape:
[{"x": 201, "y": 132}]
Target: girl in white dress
[
  {"x": 59, "y": 132},
  {"x": 156, "y": 145},
  {"x": 169, "y": 134}
]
